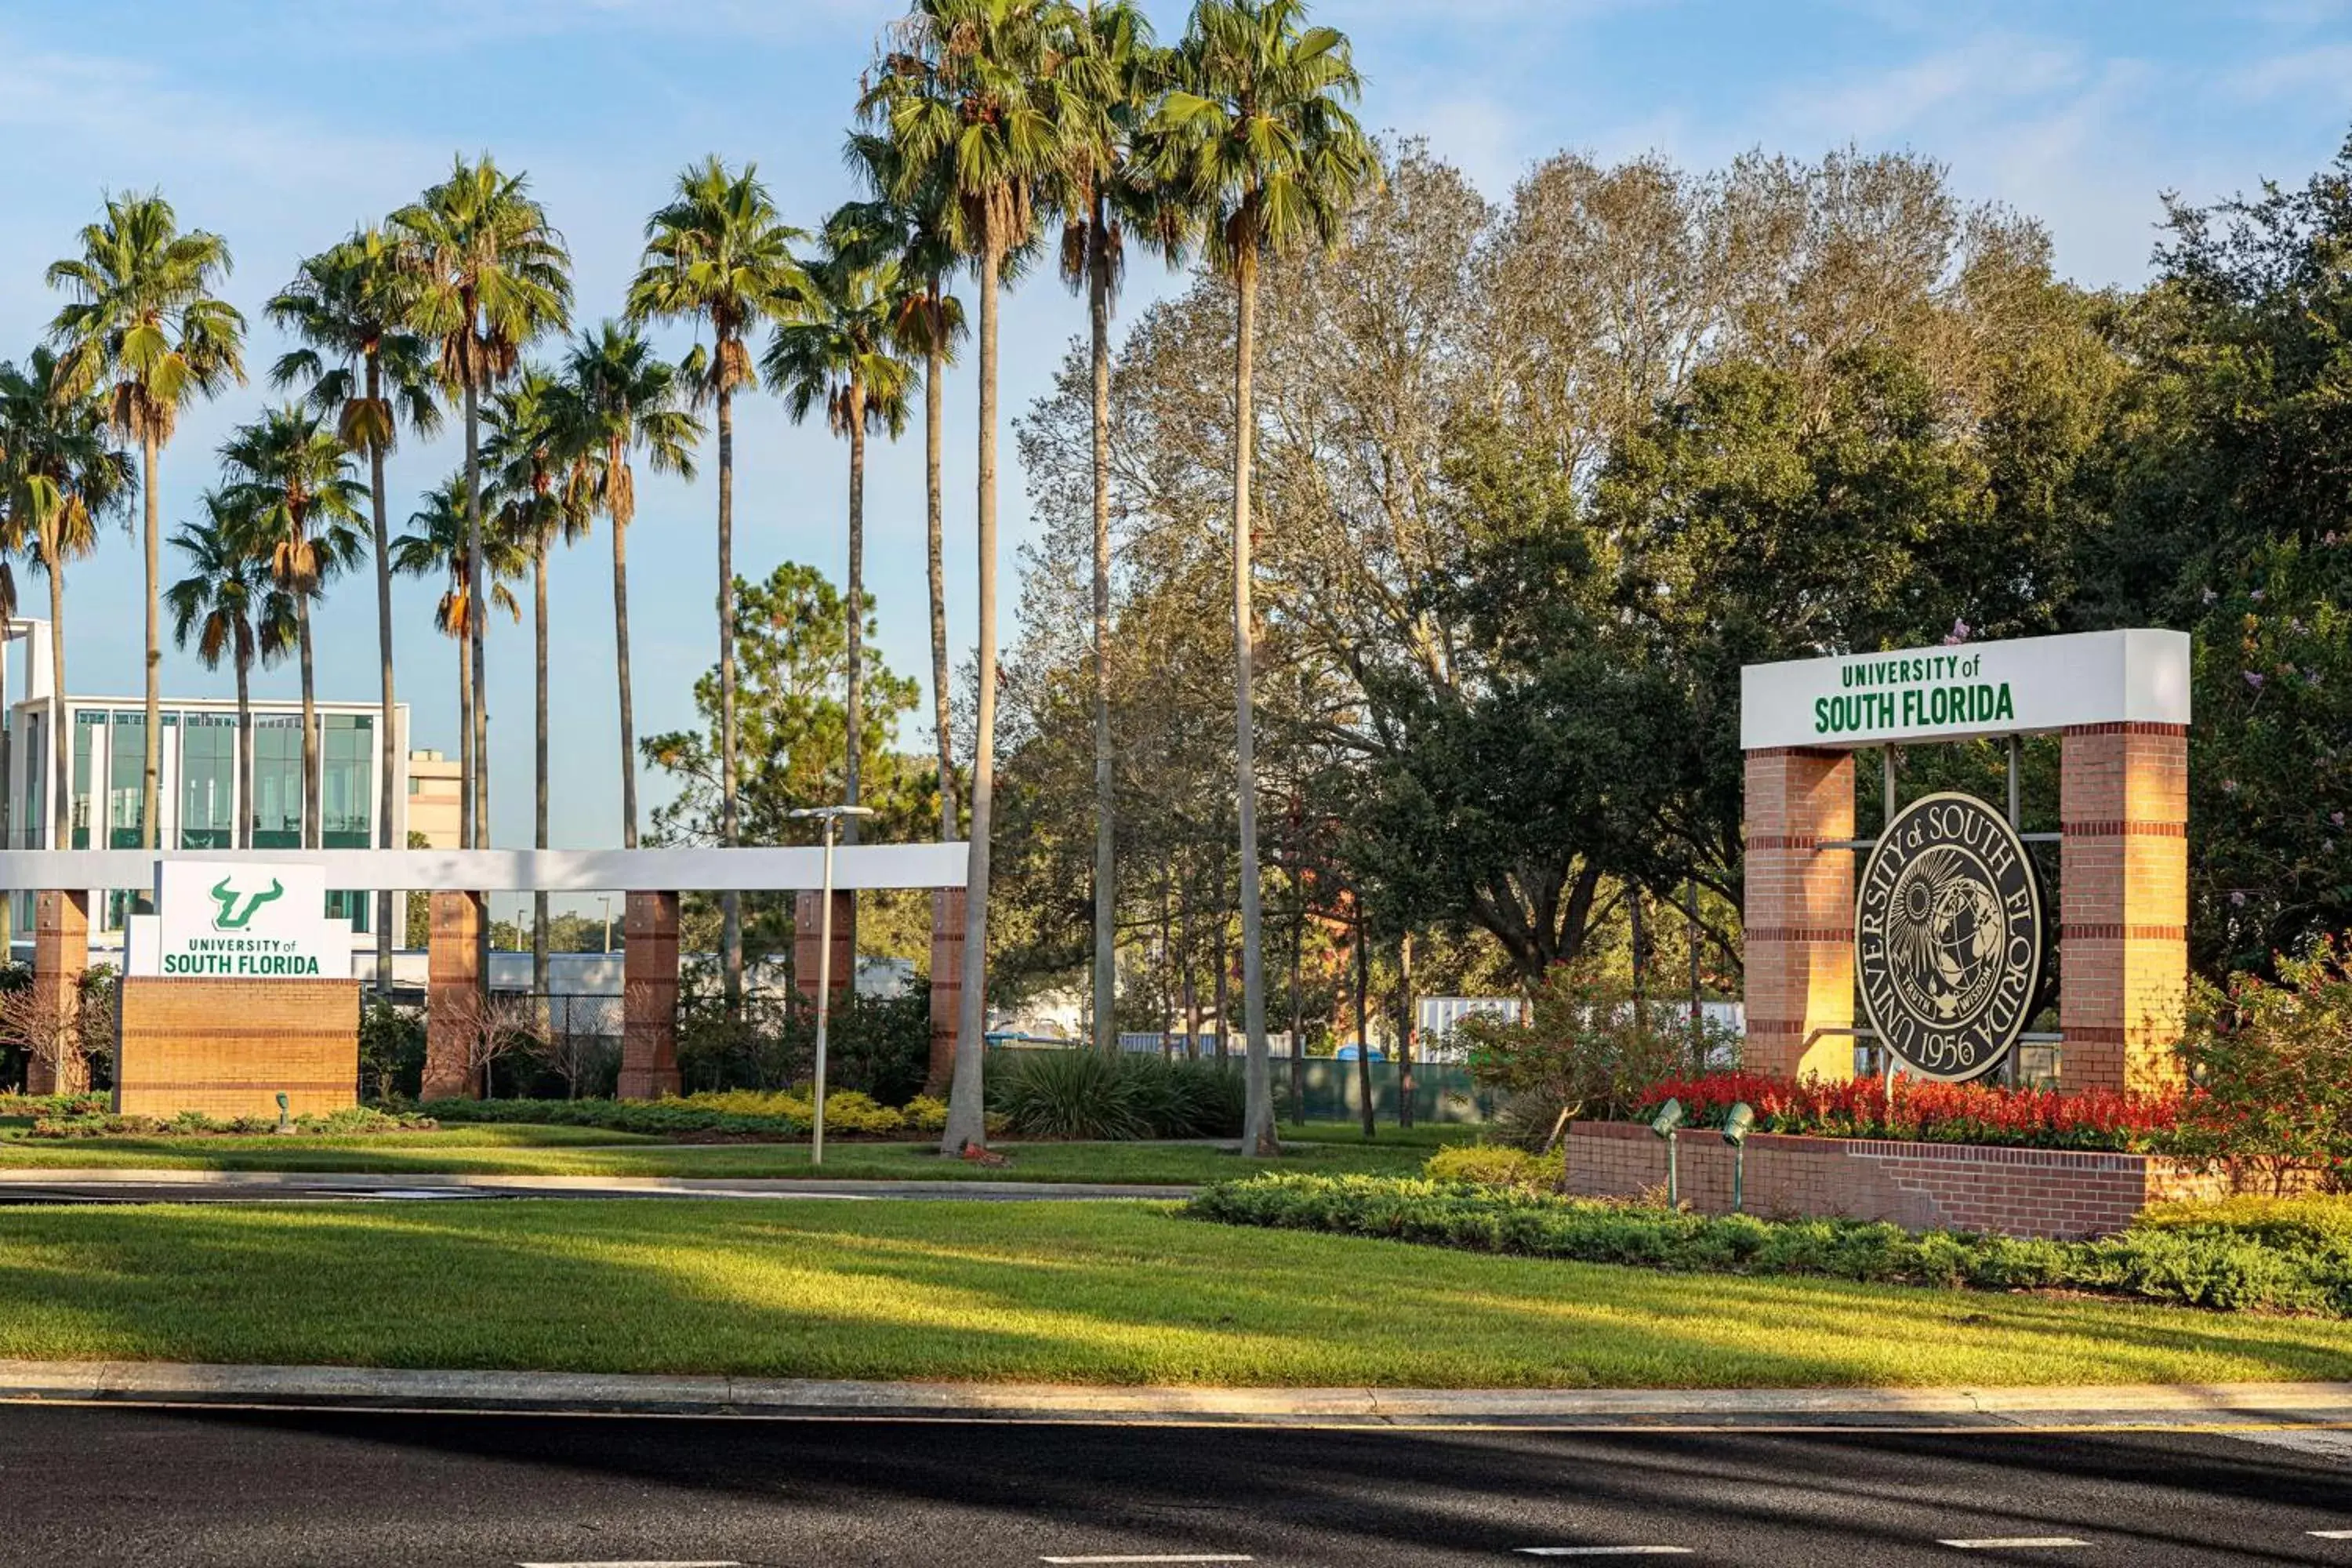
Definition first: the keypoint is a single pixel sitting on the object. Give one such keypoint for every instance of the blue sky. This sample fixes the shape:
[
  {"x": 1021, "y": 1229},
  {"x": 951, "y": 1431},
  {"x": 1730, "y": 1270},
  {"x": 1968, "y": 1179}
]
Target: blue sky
[{"x": 280, "y": 125}]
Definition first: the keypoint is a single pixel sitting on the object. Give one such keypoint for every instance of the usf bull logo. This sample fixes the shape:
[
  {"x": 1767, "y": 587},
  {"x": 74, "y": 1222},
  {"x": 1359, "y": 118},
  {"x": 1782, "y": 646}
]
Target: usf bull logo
[{"x": 235, "y": 908}]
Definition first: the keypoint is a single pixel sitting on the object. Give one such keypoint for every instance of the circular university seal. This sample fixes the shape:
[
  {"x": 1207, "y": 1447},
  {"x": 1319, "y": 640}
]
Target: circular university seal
[{"x": 1948, "y": 937}]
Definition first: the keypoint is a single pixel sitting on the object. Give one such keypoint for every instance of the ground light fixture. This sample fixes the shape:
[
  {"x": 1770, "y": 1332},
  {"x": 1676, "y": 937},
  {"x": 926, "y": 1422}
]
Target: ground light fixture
[
  {"x": 1736, "y": 1128},
  {"x": 831, "y": 818},
  {"x": 1669, "y": 1117}
]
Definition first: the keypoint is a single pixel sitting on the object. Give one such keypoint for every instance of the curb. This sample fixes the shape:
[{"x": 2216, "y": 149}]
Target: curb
[
  {"x": 169, "y": 1383},
  {"x": 676, "y": 1186}
]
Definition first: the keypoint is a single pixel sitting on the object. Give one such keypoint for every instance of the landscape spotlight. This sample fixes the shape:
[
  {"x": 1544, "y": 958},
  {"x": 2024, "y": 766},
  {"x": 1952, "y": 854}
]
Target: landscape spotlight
[
  {"x": 1736, "y": 1128},
  {"x": 1669, "y": 1117}
]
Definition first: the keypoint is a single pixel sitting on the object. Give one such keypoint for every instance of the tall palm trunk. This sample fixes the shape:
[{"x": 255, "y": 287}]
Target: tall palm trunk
[
  {"x": 464, "y": 734},
  {"x": 1258, "y": 1133},
  {"x": 1106, "y": 990},
  {"x": 628, "y": 710},
  {"x": 245, "y": 751},
  {"x": 60, "y": 743},
  {"x": 966, "y": 1125},
  {"x": 856, "y": 698},
  {"x": 934, "y": 434},
  {"x": 311, "y": 825},
  {"x": 730, "y": 905},
  {"x": 387, "y": 743},
  {"x": 538, "y": 765},
  {"x": 8, "y": 793},
  {"x": 473, "y": 833},
  {"x": 150, "y": 821}
]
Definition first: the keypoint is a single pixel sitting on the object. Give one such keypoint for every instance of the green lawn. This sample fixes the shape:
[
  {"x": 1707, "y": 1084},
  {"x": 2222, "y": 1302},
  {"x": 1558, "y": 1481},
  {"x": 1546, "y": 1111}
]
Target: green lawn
[
  {"x": 1118, "y": 1293},
  {"x": 514, "y": 1150}
]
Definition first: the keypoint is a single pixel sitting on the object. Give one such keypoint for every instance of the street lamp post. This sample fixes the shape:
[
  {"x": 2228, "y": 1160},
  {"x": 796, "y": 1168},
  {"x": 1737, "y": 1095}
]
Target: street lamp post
[{"x": 830, "y": 817}]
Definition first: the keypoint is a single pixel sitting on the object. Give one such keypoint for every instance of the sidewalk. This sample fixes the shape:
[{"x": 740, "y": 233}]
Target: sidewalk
[
  {"x": 173, "y": 1383},
  {"x": 179, "y": 1185}
]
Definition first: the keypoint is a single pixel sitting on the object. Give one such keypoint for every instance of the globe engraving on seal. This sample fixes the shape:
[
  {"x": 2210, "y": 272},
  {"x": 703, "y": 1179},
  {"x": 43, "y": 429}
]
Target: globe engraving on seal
[{"x": 1948, "y": 937}]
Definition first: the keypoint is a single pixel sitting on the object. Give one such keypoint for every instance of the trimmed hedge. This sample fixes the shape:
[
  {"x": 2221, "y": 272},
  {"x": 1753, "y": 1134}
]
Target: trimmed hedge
[
  {"x": 2228, "y": 1260},
  {"x": 669, "y": 1118},
  {"x": 351, "y": 1120}
]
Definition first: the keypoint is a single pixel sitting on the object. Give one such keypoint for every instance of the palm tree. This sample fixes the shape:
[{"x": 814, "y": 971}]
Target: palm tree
[
  {"x": 1120, "y": 74},
  {"x": 144, "y": 324},
  {"x": 836, "y": 350},
  {"x": 619, "y": 397},
  {"x": 529, "y": 448},
  {"x": 59, "y": 476},
  {"x": 443, "y": 542},
  {"x": 296, "y": 505},
  {"x": 492, "y": 276},
  {"x": 234, "y": 609},
  {"x": 932, "y": 325},
  {"x": 367, "y": 369},
  {"x": 973, "y": 98},
  {"x": 1260, "y": 143},
  {"x": 718, "y": 256}
]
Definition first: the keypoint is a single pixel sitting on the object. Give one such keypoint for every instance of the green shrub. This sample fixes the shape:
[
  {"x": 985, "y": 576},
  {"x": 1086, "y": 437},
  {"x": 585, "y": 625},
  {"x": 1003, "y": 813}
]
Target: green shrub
[
  {"x": 2217, "y": 1256},
  {"x": 2273, "y": 1067},
  {"x": 1085, "y": 1094},
  {"x": 668, "y": 1118},
  {"x": 93, "y": 1124},
  {"x": 1498, "y": 1165}
]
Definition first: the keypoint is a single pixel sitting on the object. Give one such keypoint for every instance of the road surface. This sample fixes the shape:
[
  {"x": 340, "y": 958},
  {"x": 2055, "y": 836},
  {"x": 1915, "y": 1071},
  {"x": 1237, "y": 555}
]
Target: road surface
[{"x": 178, "y": 1489}]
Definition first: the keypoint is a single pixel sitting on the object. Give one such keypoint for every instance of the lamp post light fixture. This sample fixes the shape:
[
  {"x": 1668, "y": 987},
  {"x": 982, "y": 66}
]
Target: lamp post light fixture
[
  {"x": 1669, "y": 1117},
  {"x": 1736, "y": 1128},
  {"x": 831, "y": 818}
]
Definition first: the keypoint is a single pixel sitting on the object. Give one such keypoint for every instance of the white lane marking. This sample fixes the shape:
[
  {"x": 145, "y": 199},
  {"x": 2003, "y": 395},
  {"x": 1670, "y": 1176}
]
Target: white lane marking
[
  {"x": 1605, "y": 1551},
  {"x": 639, "y": 1563},
  {"x": 2331, "y": 1535},
  {"x": 1178, "y": 1557},
  {"x": 2006, "y": 1542}
]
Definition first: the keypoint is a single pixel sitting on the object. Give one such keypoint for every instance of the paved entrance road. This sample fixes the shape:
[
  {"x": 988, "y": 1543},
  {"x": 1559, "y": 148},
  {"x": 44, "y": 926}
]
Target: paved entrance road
[{"x": 168, "y": 1489}]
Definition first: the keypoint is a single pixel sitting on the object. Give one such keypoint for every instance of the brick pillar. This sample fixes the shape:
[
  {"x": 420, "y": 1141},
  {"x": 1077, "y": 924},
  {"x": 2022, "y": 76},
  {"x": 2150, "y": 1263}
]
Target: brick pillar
[
  {"x": 807, "y": 916},
  {"x": 453, "y": 987},
  {"x": 947, "y": 980},
  {"x": 60, "y": 958},
  {"x": 1798, "y": 911},
  {"x": 650, "y": 997},
  {"x": 2123, "y": 954}
]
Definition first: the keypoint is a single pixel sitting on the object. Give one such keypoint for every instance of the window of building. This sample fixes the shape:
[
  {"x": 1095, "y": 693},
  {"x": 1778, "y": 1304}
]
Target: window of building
[
  {"x": 352, "y": 906},
  {"x": 126, "y": 779},
  {"x": 86, "y": 725},
  {"x": 343, "y": 780},
  {"x": 207, "y": 782},
  {"x": 277, "y": 783}
]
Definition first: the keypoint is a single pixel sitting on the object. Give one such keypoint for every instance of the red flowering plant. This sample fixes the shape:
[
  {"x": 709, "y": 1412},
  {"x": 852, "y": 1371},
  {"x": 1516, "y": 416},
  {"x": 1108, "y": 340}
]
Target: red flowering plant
[{"x": 1924, "y": 1111}]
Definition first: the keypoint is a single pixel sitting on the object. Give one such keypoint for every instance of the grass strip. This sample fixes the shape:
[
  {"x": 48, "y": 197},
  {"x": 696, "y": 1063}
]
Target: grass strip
[{"x": 1120, "y": 1293}]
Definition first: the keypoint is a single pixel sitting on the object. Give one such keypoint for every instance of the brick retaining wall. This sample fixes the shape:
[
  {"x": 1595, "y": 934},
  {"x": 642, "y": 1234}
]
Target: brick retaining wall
[
  {"x": 2020, "y": 1192},
  {"x": 228, "y": 1047}
]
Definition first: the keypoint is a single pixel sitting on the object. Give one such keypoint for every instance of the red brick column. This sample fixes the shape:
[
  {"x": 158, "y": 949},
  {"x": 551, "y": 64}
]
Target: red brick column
[
  {"x": 1798, "y": 912},
  {"x": 947, "y": 980},
  {"x": 808, "y": 913},
  {"x": 60, "y": 958},
  {"x": 650, "y": 997},
  {"x": 453, "y": 987},
  {"x": 2122, "y": 965}
]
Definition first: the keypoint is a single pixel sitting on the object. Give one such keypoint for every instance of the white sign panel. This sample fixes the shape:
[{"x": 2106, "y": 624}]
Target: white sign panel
[
  {"x": 241, "y": 920},
  {"x": 1966, "y": 691},
  {"x": 142, "y": 951}
]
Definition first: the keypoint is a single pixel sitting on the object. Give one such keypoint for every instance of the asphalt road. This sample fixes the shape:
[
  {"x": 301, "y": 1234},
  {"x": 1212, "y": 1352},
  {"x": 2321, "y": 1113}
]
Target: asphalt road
[{"x": 162, "y": 1490}]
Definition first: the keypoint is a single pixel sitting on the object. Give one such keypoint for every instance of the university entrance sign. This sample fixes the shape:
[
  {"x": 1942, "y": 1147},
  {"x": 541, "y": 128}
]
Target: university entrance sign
[
  {"x": 1949, "y": 937},
  {"x": 247, "y": 920},
  {"x": 2032, "y": 685}
]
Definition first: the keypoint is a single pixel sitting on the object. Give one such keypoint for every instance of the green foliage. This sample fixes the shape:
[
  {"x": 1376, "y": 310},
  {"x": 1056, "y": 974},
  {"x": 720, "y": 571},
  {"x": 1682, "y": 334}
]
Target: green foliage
[
  {"x": 80, "y": 1118},
  {"x": 1087, "y": 1095},
  {"x": 669, "y": 1118},
  {"x": 2200, "y": 1260},
  {"x": 392, "y": 1048},
  {"x": 2274, "y": 1066},
  {"x": 1498, "y": 1166},
  {"x": 879, "y": 1046},
  {"x": 1586, "y": 1049}
]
